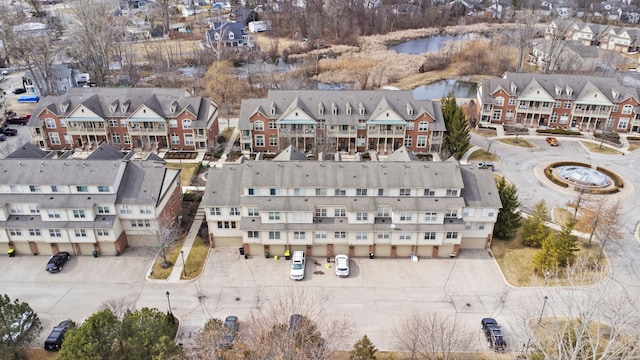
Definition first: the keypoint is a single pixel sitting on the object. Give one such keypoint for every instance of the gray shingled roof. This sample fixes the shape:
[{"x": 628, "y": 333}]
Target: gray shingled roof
[
  {"x": 402, "y": 154},
  {"x": 310, "y": 102},
  {"x": 144, "y": 181},
  {"x": 290, "y": 154},
  {"x": 27, "y": 151}
]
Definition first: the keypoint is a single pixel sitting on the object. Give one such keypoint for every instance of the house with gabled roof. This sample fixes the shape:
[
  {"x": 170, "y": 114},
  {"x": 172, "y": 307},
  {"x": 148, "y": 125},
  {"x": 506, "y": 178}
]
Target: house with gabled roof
[
  {"x": 558, "y": 100},
  {"x": 393, "y": 208},
  {"x": 126, "y": 118},
  {"x": 105, "y": 202},
  {"x": 340, "y": 121}
]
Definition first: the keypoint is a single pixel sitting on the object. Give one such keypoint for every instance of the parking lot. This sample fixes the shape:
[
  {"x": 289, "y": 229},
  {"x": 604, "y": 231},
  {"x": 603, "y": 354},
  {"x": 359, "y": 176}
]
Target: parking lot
[{"x": 376, "y": 296}]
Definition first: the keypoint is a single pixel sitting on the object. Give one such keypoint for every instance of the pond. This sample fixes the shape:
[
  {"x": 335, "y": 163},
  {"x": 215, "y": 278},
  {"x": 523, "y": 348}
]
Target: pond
[
  {"x": 430, "y": 44},
  {"x": 442, "y": 88}
]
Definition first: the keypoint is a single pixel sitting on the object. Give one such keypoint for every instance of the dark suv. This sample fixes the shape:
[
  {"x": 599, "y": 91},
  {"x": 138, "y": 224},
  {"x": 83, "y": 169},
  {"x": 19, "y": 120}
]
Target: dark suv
[
  {"x": 8, "y": 131},
  {"x": 55, "y": 339},
  {"x": 57, "y": 261},
  {"x": 493, "y": 333}
]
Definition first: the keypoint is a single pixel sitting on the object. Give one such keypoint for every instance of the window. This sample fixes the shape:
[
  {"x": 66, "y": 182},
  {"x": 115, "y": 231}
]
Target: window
[
  {"x": 80, "y": 232},
  {"x": 173, "y": 124},
  {"x": 175, "y": 139},
  {"x": 423, "y": 126},
  {"x": 509, "y": 115},
  {"x": 144, "y": 209},
  {"x": 215, "y": 211},
  {"x": 16, "y": 209},
  {"x": 321, "y": 192},
  {"x": 186, "y": 124},
  {"x": 382, "y": 192},
  {"x": 253, "y": 212},
  {"x": 55, "y": 233},
  {"x": 273, "y": 125},
  {"x": 340, "y": 192},
  {"x": 488, "y": 212},
  {"x": 258, "y": 126},
  {"x": 610, "y": 121},
  {"x": 102, "y": 232},
  {"x": 81, "y": 188},
  {"x": 430, "y": 216},
  {"x": 34, "y": 232},
  {"x": 361, "y": 235},
  {"x": 273, "y": 140},
  {"x": 125, "y": 209},
  {"x": 34, "y": 209},
  {"x": 362, "y": 216},
  {"x": 452, "y": 192},
  {"x": 234, "y": 211},
  {"x": 15, "y": 232},
  {"x": 405, "y": 216},
  {"x": 140, "y": 223},
  {"x": 54, "y": 188},
  {"x": 383, "y": 212},
  {"x": 567, "y": 105},
  {"x": 115, "y": 137},
  {"x": 512, "y": 101},
  {"x": 226, "y": 224},
  {"x": 53, "y": 214},
  {"x": 274, "y": 215},
  {"x": 54, "y": 138},
  {"x": 188, "y": 139},
  {"x": 298, "y": 235},
  {"x": 405, "y": 192},
  {"x": 274, "y": 192},
  {"x": 321, "y": 212},
  {"x": 253, "y": 234},
  {"x": 299, "y": 192},
  {"x": 340, "y": 235},
  {"x": 474, "y": 226},
  {"x": 500, "y": 101},
  {"x": 113, "y": 123},
  {"x": 361, "y": 192},
  {"x": 408, "y": 141},
  {"x": 103, "y": 188},
  {"x": 422, "y": 141},
  {"x": 298, "y": 216},
  {"x": 451, "y": 213},
  {"x": 405, "y": 235},
  {"x": 78, "y": 214},
  {"x": 554, "y": 118},
  {"x": 35, "y": 188},
  {"x": 50, "y": 123},
  {"x": 274, "y": 235},
  {"x": 340, "y": 212},
  {"x": 251, "y": 192},
  {"x": 623, "y": 123},
  {"x": 452, "y": 235},
  {"x": 496, "y": 115},
  {"x": 429, "y": 192},
  {"x": 321, "y": 235},
  {"x": 431, "y": 235},
  {"x": 383, "y": 235},
  {"x": 259, "y": 140},
  {"x": 468, "y": 212},
  {"x": 615, "y": 108}
]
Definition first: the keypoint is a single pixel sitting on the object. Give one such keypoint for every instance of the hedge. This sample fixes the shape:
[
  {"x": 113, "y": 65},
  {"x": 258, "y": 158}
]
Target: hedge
[
  {"x": 555, "y": 180},
  {"x": 569, "y": 163},
  {"x": 558, "y": 132},
  {"x": 616, "y": 179}
]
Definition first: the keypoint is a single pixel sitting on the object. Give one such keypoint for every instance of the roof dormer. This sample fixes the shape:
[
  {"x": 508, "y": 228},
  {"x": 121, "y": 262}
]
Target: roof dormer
[
  {"x": 558, "y": 90},
  {"x": 64, "y": 107},
  {"x": 361, "y": 108},
  {"x": 409, "y": 109},
  {"x": 334, "y": 109},
  {"x": 615, "y": 93},
  {"x": 125, "y": 106},
  {"x": 514, "y": 87},
  {"x": 569, "y": 91},
  {"x": 321, "y": 108},
  {"x": 113, "y": 107},
  {"x": 272, "y": 108},
  {"x": 173, "y": 107},
  {"x": 348, "y": 108}
]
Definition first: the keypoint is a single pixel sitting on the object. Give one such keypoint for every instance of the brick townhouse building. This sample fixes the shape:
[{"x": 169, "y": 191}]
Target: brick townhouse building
[
  {"x": 340, "y": 121},
  {"x": 559, "y": 101},
  {"x": 392, "y": 208},
  {"x": 126, "y": 118},
  {"x": 106, "y": 202}
]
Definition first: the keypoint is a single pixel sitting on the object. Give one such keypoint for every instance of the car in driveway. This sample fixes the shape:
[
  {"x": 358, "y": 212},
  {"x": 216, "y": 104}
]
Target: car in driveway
[
  {"x": 57, "y": 261},
  {"x": 55, "y": 339},
  {"x": 493, "y": 333},
  {"x": 342, "y": 265},
  {"x": 19, "y": 120},
  {"x": 297, "y": 266},
  {"x": 551, "y": 141},
  {"x": 230, "y": 331}
]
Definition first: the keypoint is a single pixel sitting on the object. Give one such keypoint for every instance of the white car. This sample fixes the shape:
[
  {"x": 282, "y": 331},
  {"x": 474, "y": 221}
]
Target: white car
[
  {"x": 342, "y": 265},
  {"x": 297, "y": 266}
]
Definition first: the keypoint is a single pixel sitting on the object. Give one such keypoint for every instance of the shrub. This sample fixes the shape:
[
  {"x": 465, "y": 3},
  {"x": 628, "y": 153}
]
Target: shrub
[
  {"x": 558, "y": 132},
  {"x": 616, "y": 179},
  {"x": 188, "y": 196},
  {"x": 568, "y": 163},
  {"x": 553, "y": 179}
]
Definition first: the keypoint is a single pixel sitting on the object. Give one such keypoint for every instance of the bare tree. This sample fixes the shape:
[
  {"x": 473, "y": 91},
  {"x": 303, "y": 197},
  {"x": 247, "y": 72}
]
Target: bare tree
[
  {"x": 167, "y": 235},
  {"x": 37, "y": 7},
  {"x": 8, "y": 19},
  {"x": 597, "y": 218},
  {"x": 431, "y": 336},
  {"x": 119, "y": 306},
  {"x": 223, "y": 85},
  {"x": 555, "y": 43},
  {"x": 525, "y": 32}
]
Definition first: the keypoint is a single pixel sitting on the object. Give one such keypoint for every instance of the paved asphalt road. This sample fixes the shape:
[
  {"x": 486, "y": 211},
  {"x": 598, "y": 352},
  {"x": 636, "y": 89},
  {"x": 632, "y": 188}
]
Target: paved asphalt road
[{"x": 377, "y": 296}]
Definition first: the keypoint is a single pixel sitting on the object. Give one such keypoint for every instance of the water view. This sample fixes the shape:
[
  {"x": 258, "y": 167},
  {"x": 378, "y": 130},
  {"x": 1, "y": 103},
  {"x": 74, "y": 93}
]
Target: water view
[{"x": 442, "y": 88}]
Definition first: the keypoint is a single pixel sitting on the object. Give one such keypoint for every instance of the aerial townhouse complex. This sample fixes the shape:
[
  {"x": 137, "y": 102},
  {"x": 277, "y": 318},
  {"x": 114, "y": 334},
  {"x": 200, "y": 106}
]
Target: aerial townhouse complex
[
  {"x": 340, "y": 121},
  {"x": 106, "y": 202},
  {"x": 587, "y": 103},
  {"x": 126, "y": 118},
  {"x": 393, "y": 208}
]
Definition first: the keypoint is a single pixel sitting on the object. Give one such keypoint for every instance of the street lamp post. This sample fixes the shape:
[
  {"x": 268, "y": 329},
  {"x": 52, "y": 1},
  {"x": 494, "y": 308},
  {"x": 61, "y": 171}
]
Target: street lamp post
[
  {"x": 184, "y": 267},
  {"x": 169, "y": 302},
  {"x": 542, "y": 312}
]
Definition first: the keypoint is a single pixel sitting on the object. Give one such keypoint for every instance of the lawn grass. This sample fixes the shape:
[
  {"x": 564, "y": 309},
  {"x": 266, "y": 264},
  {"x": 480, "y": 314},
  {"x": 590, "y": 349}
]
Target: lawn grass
[
  {"x": 172, "y": 255},
  {"x": 516, "y": 142},
  {"x": 560, "y": 216},
  {"x": 634, "y": 147},
  {"x": 227, "y": 132},
  {"x": 482, "y": 155},
  {"x": 39, "y": 354},
  {"x": 188, "y": 170},
  {"x": 595, "y": 148},
  {"x": 197, "y": 258}
]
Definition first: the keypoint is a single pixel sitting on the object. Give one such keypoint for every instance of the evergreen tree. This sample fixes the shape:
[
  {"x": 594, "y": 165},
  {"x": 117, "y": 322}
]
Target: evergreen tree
[
  {"x": 457, "y": 139},
  {"x": 566, "y": 244},
  {"x": 534, "y": 230},
  {"x": 19, "y": 326},
  {"x": 509, "y": 217},
  {"x": 363, "y": 350},
  {"x": 545, "y": 259}
]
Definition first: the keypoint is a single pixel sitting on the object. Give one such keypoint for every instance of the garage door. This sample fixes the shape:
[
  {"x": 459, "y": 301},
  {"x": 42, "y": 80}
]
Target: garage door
[
  {"x": 85, "y": 248},
  {"x": 403, "y": 250},
  {"x": 319, "y": 250},
  {"x": 65, "y": 247},
  {"x": 255, "y": 250},
  {"x": 425, "y": 251},
  {"x": 298, "y": 248},
  {"x": 22, "y": 248},
  {"x": 107, "y": 248},
  {"x": 361, "y": 250},
  {"x": 277, "y": 250},
  {"x": 383, "y": 250},
  {"x": 473, "y": 243},
  {"x": 445, "y": 250},
  {"x": 340, "y": 249},
  {"x": 45, "y": 248},
  {"x": 228, "y": 242},
  {"x": 142, "y": 240}
]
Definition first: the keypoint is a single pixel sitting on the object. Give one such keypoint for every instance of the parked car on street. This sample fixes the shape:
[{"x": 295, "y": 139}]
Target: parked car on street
[
  {"x": 485, "y": 165},
  {"x": 552, "y": 141},
  {"x": 57, "y": 261},
  {"x": 493, "y": 333},
  {"x": 55, "y": 339},
  {"x": 342, "y": 265}
]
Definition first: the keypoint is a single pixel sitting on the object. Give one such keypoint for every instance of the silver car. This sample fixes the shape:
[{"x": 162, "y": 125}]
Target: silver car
[{"x": 342, "y": 265}]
